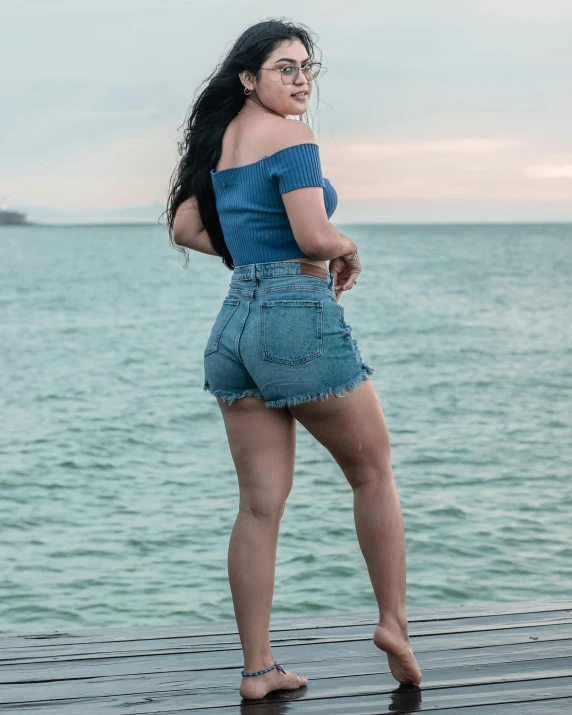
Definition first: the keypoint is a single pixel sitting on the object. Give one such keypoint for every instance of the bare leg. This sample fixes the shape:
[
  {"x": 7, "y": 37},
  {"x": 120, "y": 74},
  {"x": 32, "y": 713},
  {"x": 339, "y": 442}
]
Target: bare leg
[
  {"x": 262, "y": 441},
  {"x": 354, "y": 431}
]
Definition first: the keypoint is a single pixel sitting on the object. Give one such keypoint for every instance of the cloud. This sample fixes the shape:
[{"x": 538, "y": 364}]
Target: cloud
[
  {"x": 493, "y": 168},
  {"x": 418, "y": 147},
  {"x": 549, "y": 171},
  {"x": 128, "y": 171}
]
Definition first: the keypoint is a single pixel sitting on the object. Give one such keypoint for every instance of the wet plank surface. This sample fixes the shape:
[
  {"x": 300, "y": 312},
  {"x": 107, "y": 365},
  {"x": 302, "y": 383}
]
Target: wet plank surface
[{"x": 482, "y": 659}]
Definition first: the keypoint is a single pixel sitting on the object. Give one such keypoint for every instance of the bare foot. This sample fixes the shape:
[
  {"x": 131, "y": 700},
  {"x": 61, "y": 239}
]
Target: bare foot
[
  {"x": 257, "y": 686},
  {"x": 400, "y": 656}
]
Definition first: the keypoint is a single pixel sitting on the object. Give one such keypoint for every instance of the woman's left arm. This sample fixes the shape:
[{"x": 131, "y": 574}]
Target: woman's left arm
[{"x": 188, "y": 229}]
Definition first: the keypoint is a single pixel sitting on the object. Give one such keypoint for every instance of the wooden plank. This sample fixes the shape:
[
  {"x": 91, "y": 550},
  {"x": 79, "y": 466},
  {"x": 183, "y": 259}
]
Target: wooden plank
[
  {"x": 400, "y": 703},
  {"x": 512, "y": 698},
  {"x": 333, "y": 698},
  {"x": 415, "y": 614},
  {"x": 349, "y": 676},
  {"x": 355, "y": 662},
  {"x": 23, "y": 653},
  {"x": 291, "y": 656},
  {"x": 154, "y": 682},
  {"x": 559, "y": 706},
  {"x": 514, "y": 659}
]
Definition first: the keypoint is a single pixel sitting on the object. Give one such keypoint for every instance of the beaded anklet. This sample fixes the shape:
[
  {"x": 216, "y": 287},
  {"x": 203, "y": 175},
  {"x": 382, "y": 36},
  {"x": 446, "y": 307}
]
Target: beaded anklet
[{"x": 278, "y": 667}]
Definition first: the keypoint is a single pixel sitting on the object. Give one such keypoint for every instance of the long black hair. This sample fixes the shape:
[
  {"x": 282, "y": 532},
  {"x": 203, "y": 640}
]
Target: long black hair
[{"x": 210, "y": 114}]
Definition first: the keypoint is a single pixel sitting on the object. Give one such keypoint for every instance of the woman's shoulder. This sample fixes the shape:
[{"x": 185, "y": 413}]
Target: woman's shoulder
[
  {"x": 272, "y": 134},
  {"x": 289, "y": 132}
]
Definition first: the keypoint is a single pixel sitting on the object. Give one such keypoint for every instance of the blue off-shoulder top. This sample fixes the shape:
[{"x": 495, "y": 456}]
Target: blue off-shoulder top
[{"x": 249, "y": 203}]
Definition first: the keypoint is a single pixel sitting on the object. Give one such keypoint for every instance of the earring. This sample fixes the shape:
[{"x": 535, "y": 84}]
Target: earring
[{"x": 247, "y": 91}]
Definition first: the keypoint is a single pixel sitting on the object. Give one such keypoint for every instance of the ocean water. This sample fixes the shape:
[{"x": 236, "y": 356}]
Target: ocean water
[{"x": 118, "y": 492}]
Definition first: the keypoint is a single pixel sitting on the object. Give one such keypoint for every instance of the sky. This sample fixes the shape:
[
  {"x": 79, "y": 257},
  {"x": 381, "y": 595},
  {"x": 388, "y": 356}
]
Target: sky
[{"x": 440, "y": 111}]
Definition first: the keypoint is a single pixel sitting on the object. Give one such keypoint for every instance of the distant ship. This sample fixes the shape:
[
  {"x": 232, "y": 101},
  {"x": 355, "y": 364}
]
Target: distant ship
[{"x": 11, "y": 218}]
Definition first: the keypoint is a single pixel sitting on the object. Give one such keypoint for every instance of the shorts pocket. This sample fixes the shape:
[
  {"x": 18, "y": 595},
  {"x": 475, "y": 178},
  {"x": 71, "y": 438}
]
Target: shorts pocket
[
  {"x": 227, "y": 310},
  {"x": 291, "y": 330}
]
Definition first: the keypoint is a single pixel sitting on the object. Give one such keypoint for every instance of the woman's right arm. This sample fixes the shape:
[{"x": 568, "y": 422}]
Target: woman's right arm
[
  {"x": 328, "y": 245},
  {"x": 316, "y": 236}
]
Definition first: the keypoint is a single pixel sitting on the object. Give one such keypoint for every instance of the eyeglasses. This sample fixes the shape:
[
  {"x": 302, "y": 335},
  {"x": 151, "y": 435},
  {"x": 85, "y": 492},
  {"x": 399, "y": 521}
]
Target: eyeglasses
[{"x": 289, "y": 73}]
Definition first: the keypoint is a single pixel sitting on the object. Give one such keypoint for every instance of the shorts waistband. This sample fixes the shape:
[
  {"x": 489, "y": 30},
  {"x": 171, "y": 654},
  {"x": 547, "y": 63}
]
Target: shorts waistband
[{"x": 252, "y": 271}]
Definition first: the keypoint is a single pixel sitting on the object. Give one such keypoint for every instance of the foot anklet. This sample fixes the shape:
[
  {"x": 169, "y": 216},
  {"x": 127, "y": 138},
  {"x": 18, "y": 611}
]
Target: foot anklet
[{"x": 278, "y": 667}]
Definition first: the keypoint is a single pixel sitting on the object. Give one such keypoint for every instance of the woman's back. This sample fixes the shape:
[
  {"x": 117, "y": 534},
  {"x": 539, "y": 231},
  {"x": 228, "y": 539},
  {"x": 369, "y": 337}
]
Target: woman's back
[{"x": 249, "y": 138}]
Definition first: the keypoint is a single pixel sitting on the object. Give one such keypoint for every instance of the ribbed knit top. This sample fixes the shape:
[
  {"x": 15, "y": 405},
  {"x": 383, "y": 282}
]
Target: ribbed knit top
[{"x": 254, "y": 221}]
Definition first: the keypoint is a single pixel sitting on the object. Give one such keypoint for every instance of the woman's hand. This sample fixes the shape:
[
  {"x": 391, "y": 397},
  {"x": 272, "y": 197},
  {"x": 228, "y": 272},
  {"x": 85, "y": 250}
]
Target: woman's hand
[{"x": 345, "y": 274}]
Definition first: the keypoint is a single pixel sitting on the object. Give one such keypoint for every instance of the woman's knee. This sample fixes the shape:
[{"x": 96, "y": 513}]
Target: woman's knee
[{"x": 265, "y": 507}]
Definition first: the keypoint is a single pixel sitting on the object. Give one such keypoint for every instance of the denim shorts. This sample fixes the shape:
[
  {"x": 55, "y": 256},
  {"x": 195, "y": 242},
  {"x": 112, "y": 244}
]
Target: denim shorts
[{"x": 280, "y": 335}]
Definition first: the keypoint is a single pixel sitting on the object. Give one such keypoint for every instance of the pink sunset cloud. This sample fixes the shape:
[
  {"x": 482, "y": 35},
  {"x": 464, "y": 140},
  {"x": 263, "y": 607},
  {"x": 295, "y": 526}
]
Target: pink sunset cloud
[{"x": 474, "y": 168}]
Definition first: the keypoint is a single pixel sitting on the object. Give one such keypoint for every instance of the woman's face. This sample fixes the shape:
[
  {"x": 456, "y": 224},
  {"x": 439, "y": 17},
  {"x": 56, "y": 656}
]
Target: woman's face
[{"x": 271, "y": 90}]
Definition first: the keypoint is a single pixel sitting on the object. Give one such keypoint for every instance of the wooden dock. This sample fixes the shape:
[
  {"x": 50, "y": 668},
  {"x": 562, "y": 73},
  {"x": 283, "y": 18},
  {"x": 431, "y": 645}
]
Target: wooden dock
[{"x": 487, "y": 659}]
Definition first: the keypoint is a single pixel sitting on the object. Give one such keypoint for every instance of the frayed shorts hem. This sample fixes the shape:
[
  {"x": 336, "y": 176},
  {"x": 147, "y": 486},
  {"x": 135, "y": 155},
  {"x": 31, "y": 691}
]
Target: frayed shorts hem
[
  {"x": 339, "y": 391},
  {"x": 231, "y": 396}
]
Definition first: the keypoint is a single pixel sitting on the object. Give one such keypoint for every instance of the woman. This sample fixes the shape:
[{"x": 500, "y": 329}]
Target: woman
[{"x": 249, "y": 189}]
